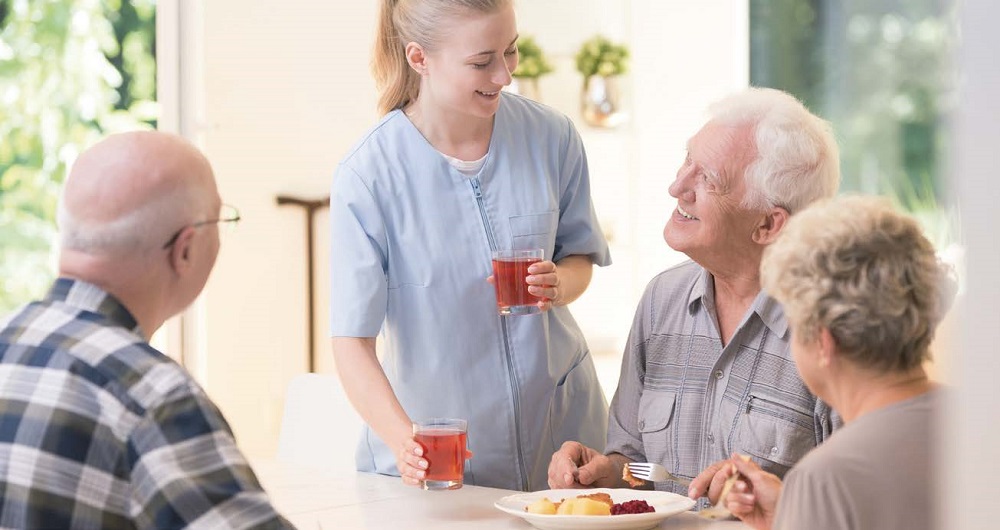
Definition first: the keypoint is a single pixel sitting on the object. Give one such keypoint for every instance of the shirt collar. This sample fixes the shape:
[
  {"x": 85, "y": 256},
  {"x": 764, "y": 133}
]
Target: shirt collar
[
  {"x": 702, "y": 288},
  {"x": 767, "y": 309},
  {"x": 89, "y": 297},
  {"x": 771, "y": 313}
]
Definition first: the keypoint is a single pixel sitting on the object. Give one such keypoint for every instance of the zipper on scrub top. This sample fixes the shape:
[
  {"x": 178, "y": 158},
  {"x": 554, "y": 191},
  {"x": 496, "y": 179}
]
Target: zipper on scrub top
[{"x": 506, "y": 342}]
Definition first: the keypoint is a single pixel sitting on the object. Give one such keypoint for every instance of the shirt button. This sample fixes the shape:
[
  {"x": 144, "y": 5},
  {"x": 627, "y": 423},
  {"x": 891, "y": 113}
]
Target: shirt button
[
  {"x": 774, "y": 450},
  {"x": 718, "y": 374},
  {"x": 711, "y": 439},
  {"x": 642, "y": 424}
]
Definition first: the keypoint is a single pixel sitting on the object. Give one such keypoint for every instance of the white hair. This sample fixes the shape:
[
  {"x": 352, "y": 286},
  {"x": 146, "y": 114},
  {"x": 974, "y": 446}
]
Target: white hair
[
  {"x": 797, "y": 161},
  {"x": 144, "y": 228}
]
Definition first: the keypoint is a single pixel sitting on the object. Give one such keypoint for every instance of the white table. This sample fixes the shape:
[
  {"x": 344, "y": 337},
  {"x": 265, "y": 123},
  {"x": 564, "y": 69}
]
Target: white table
[{"x": 316, "y": 498}]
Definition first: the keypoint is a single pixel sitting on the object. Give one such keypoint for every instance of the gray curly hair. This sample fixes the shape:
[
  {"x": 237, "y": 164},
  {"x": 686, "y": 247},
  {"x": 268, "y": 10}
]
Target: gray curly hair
[{"x": 862, "y": 270}]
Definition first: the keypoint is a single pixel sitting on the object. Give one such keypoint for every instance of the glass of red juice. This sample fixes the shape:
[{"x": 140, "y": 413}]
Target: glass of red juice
[
  {"x": 510, "y": 268},
  {"x": 443, "y": 440}
]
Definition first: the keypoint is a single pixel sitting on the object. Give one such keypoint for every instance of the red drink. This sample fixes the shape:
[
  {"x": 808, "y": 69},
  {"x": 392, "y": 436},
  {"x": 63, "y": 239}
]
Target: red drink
[
  {"x": 444, "y": 450},
  {"x": 509, "y": 282}
]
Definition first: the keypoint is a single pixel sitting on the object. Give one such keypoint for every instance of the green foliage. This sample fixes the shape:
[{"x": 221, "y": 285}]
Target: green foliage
[
  {"x": 531, "y": 61},
  {"x": 60, "y": 91},
  {"x": 599, "y": 56},
  {"x": 880, "y": 73},
  {"x": 918, "y": 195}
]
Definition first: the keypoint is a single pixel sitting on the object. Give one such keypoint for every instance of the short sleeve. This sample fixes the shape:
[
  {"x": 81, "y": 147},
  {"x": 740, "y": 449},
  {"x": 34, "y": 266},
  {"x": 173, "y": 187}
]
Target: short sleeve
[
  {"x": 811, "y": 498},
  {"x": 579, "y": 232},
  {"x": 358, "y": 258},
  {"x": 623, "y": 417}
]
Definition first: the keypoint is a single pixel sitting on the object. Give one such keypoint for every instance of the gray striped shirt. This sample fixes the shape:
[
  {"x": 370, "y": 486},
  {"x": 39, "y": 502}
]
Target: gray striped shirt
[{"x": 685, "y": 401}]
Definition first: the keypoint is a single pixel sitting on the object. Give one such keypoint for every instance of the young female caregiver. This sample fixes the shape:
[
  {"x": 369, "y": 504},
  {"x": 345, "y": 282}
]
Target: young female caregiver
[{"x": 455, "y": 169}]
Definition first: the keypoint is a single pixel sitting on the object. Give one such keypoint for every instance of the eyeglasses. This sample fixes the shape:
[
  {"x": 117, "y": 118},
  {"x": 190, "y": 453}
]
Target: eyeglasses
[{"x": 228, "y": 214}]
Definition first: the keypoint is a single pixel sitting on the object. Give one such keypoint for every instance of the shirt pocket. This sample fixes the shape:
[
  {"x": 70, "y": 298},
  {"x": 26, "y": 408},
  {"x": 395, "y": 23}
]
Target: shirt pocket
[
  {"x": 578, "y": 411},
  {"x": 656, "y": 411},
  {"x": 537, "y": 230},
  {"x": 775, "y": 434}
]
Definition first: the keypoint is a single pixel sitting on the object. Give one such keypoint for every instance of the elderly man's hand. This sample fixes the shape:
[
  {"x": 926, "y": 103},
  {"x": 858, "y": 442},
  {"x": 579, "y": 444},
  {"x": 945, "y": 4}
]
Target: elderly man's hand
[{"x": 575, "y": 465}]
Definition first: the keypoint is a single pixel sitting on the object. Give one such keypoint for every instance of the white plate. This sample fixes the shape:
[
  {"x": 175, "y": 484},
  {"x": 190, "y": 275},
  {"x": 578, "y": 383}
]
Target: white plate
[{"x": 665, "y": 504}]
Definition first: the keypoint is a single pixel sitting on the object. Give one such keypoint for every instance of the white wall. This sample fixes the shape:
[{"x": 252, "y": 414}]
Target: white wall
[
  {"x": 283, "y": 91},
  {"x": 279, "y": 91},
  {"x": 684, "y": 56},
  {"x": 604, "y": 312},
  {"x": 971, "y": 466},
  {"x": 687, "y": 54}
]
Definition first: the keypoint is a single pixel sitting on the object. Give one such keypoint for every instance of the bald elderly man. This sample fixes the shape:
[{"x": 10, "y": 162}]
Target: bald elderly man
[{"x": 97, "y": 428}]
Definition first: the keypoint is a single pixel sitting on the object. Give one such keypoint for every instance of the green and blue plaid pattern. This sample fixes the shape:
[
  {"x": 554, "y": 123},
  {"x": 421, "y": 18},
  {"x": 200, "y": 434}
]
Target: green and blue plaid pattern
[{"x": 100, "y": 430}]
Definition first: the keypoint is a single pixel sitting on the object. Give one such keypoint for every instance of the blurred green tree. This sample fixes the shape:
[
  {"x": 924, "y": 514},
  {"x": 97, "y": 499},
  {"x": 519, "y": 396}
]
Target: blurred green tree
[
  {"x": 71, "y": 71},
  {"x": 880, "y": 72}
]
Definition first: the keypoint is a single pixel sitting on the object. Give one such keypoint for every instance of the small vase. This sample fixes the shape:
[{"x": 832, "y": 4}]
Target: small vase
[
  {"x": 526, "y": 86},
  {"x": 601, "y": 102}
]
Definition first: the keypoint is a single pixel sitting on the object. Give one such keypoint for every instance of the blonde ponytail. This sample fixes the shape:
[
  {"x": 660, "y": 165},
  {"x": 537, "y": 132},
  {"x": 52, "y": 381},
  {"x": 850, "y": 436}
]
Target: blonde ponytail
[{"x": 396, "y": 82}]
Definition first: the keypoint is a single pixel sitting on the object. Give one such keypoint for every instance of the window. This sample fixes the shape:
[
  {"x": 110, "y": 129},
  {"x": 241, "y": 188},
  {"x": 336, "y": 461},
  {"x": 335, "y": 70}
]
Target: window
[
  {"x": 880, "y": 71},
  {"x": 70, "y": 73}
]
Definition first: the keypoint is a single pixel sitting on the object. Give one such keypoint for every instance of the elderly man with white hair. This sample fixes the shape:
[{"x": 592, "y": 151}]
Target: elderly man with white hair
[
  {"x": 97, "y": 428},
  {"x": 707, "y": 370}
]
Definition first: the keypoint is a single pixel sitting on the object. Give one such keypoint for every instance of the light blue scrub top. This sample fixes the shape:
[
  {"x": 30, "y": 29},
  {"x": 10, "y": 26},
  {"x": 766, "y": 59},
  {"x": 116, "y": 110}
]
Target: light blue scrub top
[{"x": 411, "y": 241}]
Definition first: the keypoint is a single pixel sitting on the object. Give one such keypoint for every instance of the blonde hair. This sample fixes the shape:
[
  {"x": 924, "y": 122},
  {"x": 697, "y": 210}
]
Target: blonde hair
[
  {"x": 403, "y": 21},
  {"x": 797, "y": 161},
  {"x": 862, "y": 270}
]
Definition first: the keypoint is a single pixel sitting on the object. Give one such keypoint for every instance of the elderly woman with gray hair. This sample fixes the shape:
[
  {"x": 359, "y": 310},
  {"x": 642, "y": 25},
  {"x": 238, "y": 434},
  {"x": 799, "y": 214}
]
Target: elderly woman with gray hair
[{"x": 863, "y": 292}]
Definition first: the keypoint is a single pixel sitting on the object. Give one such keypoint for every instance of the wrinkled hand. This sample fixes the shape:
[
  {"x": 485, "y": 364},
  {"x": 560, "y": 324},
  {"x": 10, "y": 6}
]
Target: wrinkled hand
[
  {"x": 411, "y": 463},
  {"x": 575, "y": 465},
  {"x": 754, "y": 497},
  {"x": 543, "y": 282},
  {"x": 709, "y": 482}
]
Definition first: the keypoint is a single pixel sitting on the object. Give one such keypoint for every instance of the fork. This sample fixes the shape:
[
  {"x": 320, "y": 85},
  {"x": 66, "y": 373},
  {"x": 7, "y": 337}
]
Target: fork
[{"x": 654, "y": 473}]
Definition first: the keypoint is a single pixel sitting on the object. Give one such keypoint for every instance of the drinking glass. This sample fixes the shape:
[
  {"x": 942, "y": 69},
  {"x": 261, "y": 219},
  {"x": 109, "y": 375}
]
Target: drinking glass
[
  {"x": 443, "y": 440},
  {"x": 510, "y": 268}
]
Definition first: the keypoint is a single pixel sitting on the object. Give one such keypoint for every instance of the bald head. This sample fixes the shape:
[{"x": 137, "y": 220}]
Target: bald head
[{"x": 132, "y": 190}]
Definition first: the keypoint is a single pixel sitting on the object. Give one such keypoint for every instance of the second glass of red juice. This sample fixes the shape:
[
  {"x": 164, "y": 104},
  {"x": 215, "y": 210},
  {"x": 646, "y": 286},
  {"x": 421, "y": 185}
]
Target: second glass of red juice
[{"x": 444, "y": 443}]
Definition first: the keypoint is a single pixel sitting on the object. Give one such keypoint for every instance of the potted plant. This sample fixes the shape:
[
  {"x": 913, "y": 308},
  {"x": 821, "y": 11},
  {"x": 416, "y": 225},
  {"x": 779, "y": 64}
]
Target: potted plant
[
  {"x": 601, "y": 62},
  {"x": 531, "y": 65}
]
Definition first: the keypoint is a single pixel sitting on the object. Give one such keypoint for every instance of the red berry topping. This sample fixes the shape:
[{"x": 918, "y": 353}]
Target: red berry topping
[{"x": 627, "y": 507}]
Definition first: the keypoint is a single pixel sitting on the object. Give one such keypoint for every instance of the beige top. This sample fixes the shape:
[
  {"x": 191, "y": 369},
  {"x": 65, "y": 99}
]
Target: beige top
[{"x": 876, "y": 472}]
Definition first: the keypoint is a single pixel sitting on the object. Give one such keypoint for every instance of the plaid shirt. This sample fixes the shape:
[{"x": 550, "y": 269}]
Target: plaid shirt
[
  {"x": 685, "y": 401},
  {"x": 100, "y": 430}
]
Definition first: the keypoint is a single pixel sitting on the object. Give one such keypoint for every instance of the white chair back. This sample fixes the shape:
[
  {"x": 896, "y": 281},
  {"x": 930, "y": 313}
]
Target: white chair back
[{"x": 319, "y": 426}]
